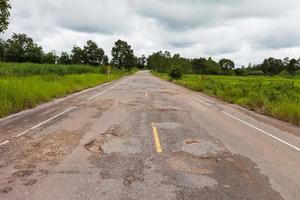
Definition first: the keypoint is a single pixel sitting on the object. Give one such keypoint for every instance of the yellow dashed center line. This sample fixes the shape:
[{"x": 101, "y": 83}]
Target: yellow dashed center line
[{"x": 156, "y": 139}]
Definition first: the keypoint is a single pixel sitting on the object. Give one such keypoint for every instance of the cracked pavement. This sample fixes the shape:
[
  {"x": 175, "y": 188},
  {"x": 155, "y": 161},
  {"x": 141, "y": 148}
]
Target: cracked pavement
[{"x": 105, "y": 148}]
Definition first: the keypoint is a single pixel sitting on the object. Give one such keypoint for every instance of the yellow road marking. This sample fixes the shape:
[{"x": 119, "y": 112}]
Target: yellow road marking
[{"x": 156, "y": 138}]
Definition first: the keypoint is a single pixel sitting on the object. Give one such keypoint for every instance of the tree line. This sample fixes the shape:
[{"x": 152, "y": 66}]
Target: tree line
[
  {"x": 22, "y": 48},
  {"x": 164, "y": 61}
]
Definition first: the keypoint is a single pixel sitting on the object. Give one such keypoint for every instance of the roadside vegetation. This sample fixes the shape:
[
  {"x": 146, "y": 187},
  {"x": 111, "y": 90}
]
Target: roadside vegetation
[
  {"x": 276, "y": 96},
  {"x": 29, "y": 76},
  {"x": 24, "y": 92},
  {"x": 271, "y": 88}
]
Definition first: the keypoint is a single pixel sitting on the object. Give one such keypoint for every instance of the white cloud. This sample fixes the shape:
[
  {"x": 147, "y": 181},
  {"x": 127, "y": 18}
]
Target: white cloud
[{"x": 243, "y": 30}]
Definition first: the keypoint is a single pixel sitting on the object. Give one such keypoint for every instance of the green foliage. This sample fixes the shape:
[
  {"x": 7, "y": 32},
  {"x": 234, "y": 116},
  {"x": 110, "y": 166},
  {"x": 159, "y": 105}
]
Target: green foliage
[
  {"x": 284, "y": 73},
  {"x": 64, "y": 58},
  {"x": 77, "y": 55},
  {"x": 93, "y": 55},
  {"x": 141, "y": 62},
  {"x": 175, "y": 72},
  {"x": 275, "y": 96},
  {"x": 227, "y": 65},
  {"x": 4, "y": 14},
  {"x": 297, "y": 72},
  {"x": 29, "y": 69},
  {"x": 21, "y": 48},
  {"x": 162, "y": 62},
  {"x": 256, "y": 73},
  {"x": 19, "y": 93},
  {"x": 50, "y": 58},
  {"x": 122, "y": 55}
]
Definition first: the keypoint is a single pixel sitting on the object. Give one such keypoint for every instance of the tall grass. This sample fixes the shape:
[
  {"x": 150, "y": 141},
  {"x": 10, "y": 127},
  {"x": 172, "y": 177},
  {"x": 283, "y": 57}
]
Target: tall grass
[
  {"x": 278, "y": 97},
  {"x": 29, "y": 69},
  {"x": 26, "y": 85},
  {"x": 19, "y": 93}
]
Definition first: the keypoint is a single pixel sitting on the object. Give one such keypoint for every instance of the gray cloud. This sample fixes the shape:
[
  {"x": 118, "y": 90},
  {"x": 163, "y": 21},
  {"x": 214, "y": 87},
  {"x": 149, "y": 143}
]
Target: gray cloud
[{"x": 243, "y": 30}]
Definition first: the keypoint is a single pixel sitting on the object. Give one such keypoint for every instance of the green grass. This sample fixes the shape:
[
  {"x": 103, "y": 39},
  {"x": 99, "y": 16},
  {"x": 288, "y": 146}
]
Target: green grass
[
  {"x": 278, "y": 97},
  {"x": 29, "y": 69},
  {"x": 23, "y": 86}
]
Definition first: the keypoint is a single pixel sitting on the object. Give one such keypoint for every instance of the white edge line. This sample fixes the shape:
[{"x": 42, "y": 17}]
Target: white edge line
[
  {"x": 106, "y": 90},
  {"x": 4, "y": 143},
  {"x": 207, "y": 104},
  {"x": 57, "y": 100},
  {"x": 23, "y": 133},
  {"x": 59, "y": 114},
  {"x": 55, "y": 116},
  {"x": 262, "y": 131}
]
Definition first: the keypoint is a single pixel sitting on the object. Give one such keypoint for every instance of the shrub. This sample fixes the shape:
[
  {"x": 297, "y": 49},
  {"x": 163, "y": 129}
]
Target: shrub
[
  {"x": 297, "y": 72},
  {"x": 284, "y": 73},
  {"x": 175, "y": 72},
  {"x": 256, "y": 73}
]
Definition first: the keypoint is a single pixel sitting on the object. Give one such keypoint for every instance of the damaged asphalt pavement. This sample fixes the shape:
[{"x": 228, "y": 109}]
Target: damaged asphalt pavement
[{"x": 145, "y": 138}]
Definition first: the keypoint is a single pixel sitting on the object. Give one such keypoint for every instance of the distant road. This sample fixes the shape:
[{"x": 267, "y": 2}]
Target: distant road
[{"x": 145, "y": 138}]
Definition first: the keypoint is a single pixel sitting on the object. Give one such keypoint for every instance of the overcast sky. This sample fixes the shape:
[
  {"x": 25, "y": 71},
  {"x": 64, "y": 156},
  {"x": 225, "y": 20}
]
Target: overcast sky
[{"x": 243, "y": 30}]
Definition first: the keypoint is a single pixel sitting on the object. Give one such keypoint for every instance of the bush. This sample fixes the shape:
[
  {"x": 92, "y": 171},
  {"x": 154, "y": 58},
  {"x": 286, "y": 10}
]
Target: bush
[
  {"x": 175, "y": 72},
  {"x": 297, "y": 72},
  {"x": 284, "y": 73},
  {"x": 256, "y": 73}
]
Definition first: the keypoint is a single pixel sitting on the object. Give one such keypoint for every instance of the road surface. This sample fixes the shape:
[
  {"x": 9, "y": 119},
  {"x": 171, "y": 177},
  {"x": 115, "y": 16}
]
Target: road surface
[{"x": 144, "y": 138}]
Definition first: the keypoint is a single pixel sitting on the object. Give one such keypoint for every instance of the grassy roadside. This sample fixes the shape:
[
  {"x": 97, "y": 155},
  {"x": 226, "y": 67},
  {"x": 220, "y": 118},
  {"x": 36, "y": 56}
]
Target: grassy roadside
[
  {"x": 278, "y": 97},
  {"x": 21, "y": 91}
]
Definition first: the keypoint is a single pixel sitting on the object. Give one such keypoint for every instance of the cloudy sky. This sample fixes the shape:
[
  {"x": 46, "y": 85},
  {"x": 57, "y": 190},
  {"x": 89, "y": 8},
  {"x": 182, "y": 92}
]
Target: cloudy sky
[{"x": 243, "y": 30}]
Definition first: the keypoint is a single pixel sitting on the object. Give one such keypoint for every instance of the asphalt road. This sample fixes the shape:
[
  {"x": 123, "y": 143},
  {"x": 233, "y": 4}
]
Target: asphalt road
[{"x": 145, "y": 138}]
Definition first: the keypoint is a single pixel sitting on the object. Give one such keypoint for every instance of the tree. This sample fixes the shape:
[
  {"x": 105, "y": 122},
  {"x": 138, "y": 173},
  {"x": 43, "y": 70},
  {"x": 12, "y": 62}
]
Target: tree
[
  {"x": 2, "y": 49},
  {"x": 92, "y": 54},
  {"x": 226, "y": 65},
  {"x": 291, "y": 67},
  {"x": 122, "y": 55},
  {"x": 21, "y": 48},
  {"x": 159, "y": 61},
  {"x": 50, "y": 57},
  {"x": 272, "y": 66},
  {"x": 212, "y": 66},
  {"x": 4, "y": 14},
  {"x": 175, "y": 72},
  {"x": 105, "y": 60},
  {"x": 77, "y": 56},
  {"x": 141, "y": 62},
  {"x": 64, "y": 58},
  {"x": 199, "y": 65}
]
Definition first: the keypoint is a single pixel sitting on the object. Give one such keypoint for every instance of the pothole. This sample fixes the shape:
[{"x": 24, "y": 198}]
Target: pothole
[
  {"x": 134, "y": 103},
  {"x": 188, "y": 164},
  {"x": 22, "y": 173},
  {"x": 192, "y": 142},
  {"x": 94, "y": 147},
  {"x": 200, "y": 147},
  {"x": 6, "y": 190},
  {"x": 30, "y": 182},
  {"x": 197, "y": 181}
]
